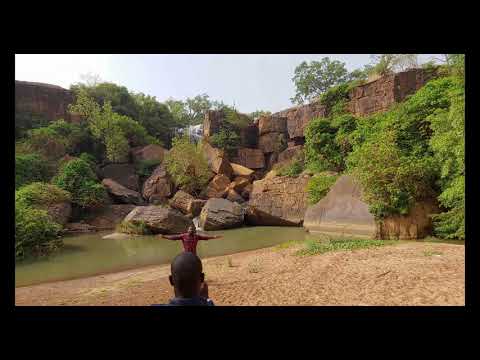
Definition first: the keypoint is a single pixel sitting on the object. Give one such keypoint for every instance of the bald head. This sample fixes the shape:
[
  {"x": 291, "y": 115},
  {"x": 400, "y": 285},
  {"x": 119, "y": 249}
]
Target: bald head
[{"x": 187, "y": 276}]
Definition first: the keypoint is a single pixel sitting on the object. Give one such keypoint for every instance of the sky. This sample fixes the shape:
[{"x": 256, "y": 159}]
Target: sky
[{"x": 250, "y": 82}]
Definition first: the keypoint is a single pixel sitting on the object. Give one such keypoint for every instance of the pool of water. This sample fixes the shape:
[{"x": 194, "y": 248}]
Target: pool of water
[{"x": 89, "y": 254}]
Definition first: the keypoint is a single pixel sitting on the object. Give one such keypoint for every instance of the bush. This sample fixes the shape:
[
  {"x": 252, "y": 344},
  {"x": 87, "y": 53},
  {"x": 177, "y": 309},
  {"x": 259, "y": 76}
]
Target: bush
[
  {"x": 78, "y": 178},
  {"x": 137, "y": 228},
  {"x": 145, "y": 168},
  {"x": 38, "y": 194},
  {"x": 30, "y": 168},
  {"x": 318, "y": 187},
  {"x": 35, "y": 232},
  {"x": 187, "y": 165},
  {"x": 226, "y": 139}
]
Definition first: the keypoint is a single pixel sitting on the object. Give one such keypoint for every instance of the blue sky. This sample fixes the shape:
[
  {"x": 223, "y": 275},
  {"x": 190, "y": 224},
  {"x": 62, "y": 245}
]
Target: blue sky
[{"x": 252, "y": 82}]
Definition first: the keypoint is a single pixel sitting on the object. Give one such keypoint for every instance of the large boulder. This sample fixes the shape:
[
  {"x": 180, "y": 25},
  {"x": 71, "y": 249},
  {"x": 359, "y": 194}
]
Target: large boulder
[
  {"x": 272, "y": 142},
  {"x": 60, "y": 212},
  {"x": 221, "y": 214},
  {"x": 290, "y": 153},
  {"x": 212, "y": 122},
  {"x": 257, "y": 217},
  {"x": 217, "y": 160},
  {"x": 158, "y": 186},
  {"x": 124, "y": 174},
  {"x": 234, "y": 196},
  {"x": 250, "y": 158},
  {"x": 280, "y": 197},
  {"x": 341, "y": 211},
  {"x": 159, "y": 220},
  {"x": 247, "y": 191},
  {"x": 150, "y": 152},
  {"x": 109, "y": 216},
  {"x": 238, "y": 184},
  {"x": 272, "y": 123},
  {"x": 182, "y": 201},
  {"x": 416, "y": 225},
  {"x": 217, "y": 188},
  {"x": 121, "y": 194},
  {"x": 242, "y": 171},
  {"x": 298, "y": 117},
  {"x": 249, "y": 136},
  {"x": 196, "y": 207}
]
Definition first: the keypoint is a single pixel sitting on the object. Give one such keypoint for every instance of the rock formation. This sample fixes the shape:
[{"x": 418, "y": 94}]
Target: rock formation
[
  {"x": 217, "y": 188},
  {"x": 109, "y": 216},
  {"x": 158, "y": 186},
  {"x": 220, "y": 214},
  {"x": 124, "y": 174},
  {"x": 159, "y": 220},
  {"x": 121, "y": 194},
  {"x": 150, "y": 152},
  {"x": 250, "y": 158},
  {"x": 217, "y": 160}
]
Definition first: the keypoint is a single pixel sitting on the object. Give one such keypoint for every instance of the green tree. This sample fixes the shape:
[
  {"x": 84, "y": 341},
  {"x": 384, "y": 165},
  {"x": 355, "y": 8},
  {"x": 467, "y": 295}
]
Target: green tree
[
  {"x": 384, "y": 64},
  {"x": 258, "y": 113},
  {"x": 191, "y": 111},
  {"x": 187, "y": 165},
  {"x": 314, "y": 78},
  {"x": 78, "y": 178},
  {"x": 31, "y": 168}
]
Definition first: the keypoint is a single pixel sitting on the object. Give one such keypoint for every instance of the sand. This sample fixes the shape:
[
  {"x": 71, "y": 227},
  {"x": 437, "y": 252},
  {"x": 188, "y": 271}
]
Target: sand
[{"x": 403, "y": 274}]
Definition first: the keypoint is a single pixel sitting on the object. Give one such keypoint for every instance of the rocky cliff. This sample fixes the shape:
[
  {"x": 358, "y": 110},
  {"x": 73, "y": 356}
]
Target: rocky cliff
[{"x": 49, "y": 101}]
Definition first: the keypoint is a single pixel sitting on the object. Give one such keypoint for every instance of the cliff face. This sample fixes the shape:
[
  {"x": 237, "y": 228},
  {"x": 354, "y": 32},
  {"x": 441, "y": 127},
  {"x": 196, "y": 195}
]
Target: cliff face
[{"x": 49, "y": 101}]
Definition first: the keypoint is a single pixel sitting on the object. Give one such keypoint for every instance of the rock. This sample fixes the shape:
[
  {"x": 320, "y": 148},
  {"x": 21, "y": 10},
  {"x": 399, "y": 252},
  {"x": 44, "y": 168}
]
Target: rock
[
  {"x": 247, "y": 191},
  {"x": 217, "y": 188},
  {"x": 75, "y": 228},
  {"x": 159, "y": 220},
  {"x": 272, "y": 123},
  {"x": 233, "y": 196},
  {"x": 341, "y": 211},
  {"x": 217, "y": 160},
  {"x": 290, "y": 153},
  {"x": 299, "y": 117},
  {"x": 221, "y": 214},
  {"x": 280, "y": 197},
  {"x": 238, "y": 184},
  {"x": 158, "y": 186},
  {"x": 250, "y": 158},
  {"x": 212, "y": 122},
  {"x": 271, "y": 174},
  {"x": 196, "y": 207},
  {"x": 60, "y": 212},
  {"x": 270, "y": 160},
  {"x": 150, "y": 152},
  {"x": 182, "y": 201},
  {"x": 249, "y": 136},
  {"x": 416, "y": 225},
  {"x": 124, "y": 174},
  {"x": 121, "y": 194},
  {"x": 272, "y": 142},
  {"x": 109, "y": 216},
  {"x": 257, "y": 217},
  {"x": 241, "y": 171}
]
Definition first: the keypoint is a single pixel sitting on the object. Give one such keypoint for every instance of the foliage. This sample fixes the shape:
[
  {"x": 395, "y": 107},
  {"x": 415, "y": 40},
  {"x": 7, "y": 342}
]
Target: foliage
[
  {"x": 236, "y": 119},
  {"x": 30, "y": 168},
  {"x": 318, "y": 186},
  {"x": 78, "y": 178},
  {"x": 317, "y": 246},
  {"x": 321, "y": 151},
  {"x": 384, "y": 64},
  {"x": 258, "y": 113},
  {"x": 136, "y": 228},
  {"x": 187, "y": 165},
  {"x": 226, "y": 139},
  {"x": 448, "y": 145},
  {"x": 35, "y": 232},
  {"x": 292, "y": 169},
  {"x": 25, "y": 121},
  {"x": 145, "y": 168},
  {"x": 39, "y": 194},
  {"x": 191, "y": 111},
  {"x": 89, "y": 158}
]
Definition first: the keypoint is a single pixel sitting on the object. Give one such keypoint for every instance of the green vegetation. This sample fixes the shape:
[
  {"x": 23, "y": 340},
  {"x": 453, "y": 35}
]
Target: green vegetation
[
  {"x": 432, "y": 253},
  {"x": 78, "y": 178},
  {"x": 136, "y": 228},
  {"x": 319, "y": 185},
  {"x": 384, "y": 64},
  {"x": 35, "y": 232},
  {"x": 31, "y": 168},
  {"x": 25, "y": 121},
  {"x": 187, "y": 165},
  {"x": 292, "y": 169},
  {"x": 39, "y": 194},
  {"x": 145, "y": 168},
  {"x": 226, "y": 139},
  {"x": 321, "y": 246}
]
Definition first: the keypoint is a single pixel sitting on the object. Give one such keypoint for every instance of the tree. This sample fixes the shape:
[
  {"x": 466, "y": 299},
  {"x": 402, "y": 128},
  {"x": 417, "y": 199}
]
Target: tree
[
  {"x": 314, "y": 78},
  {"x": 384, "y": 64},
  {"x": 258, "y": 113},
  {"x": 192, "y": 110}
]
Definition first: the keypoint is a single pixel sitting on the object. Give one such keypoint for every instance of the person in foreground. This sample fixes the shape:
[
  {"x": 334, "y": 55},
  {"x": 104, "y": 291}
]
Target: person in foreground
[
  {"x": 188, "y": 283},
  {"x": 190, "y": 239}
]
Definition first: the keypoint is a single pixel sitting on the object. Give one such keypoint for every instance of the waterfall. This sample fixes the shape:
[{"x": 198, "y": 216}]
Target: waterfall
[{"x": 196, "y": 223}]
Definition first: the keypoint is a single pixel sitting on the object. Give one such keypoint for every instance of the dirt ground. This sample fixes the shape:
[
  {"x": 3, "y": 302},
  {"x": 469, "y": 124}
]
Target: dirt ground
[{"x": 402, "y": 274}]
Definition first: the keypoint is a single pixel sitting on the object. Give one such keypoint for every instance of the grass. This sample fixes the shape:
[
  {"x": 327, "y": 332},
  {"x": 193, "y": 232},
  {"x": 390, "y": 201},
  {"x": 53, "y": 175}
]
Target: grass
[
  {"x": 321, "y": 246},
  {"x": 288, "y": 244}
]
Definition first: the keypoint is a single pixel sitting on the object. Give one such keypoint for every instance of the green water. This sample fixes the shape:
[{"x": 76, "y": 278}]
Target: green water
[{"x": 89, "y": 254}]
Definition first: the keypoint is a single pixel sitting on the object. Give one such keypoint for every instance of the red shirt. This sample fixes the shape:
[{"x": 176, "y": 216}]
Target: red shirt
[{"x": 190, "y": 241}]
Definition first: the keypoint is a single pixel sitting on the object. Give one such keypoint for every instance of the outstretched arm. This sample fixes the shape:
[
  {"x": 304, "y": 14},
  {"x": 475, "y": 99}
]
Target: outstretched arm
[
  {"x": 172, "y": 237},
  {"x": 205, "y": 237}
]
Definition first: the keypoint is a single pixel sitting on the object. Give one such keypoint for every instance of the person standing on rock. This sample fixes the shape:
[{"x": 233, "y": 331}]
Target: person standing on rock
[{"x": 190, "y": 239}]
